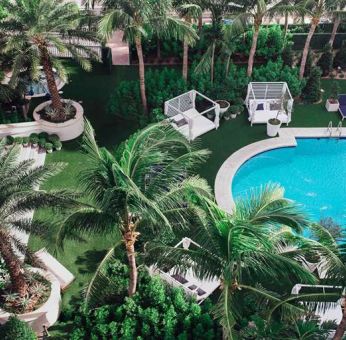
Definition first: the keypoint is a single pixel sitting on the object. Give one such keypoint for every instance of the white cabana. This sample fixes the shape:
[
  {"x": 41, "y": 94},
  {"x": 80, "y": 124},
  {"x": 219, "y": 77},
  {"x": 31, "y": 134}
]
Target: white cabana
[
  {"x": 268, "y": 100},
  {"x": 199, "y": 289},
  {"x": 185, "y": 115}
]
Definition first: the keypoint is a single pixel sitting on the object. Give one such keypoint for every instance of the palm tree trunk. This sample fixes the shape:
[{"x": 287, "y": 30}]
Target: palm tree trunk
[
  {"x": 339, "y": 333},
  {"x": 53, "y": 89},
  {"x": 141, "y": 74},
  {"x": 185, "y": 59},
  {"x": 200, "y": 22},
  {"x": 252, "y": 51},
  {"x": 335, "y": 29},
  {"x": 212, "y": 63},
  {"x": 286, "y": 24},
  {"x": 130, "y": 239},
  {"x": 227, "y": 64},
  {"x": 313, "y": 26},
  {"x": 14, "y": 267}
]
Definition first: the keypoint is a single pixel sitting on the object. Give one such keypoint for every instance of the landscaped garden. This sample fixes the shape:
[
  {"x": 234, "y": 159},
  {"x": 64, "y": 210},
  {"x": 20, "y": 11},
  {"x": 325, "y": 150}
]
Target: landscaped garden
[{"x": 124, "y": 202}]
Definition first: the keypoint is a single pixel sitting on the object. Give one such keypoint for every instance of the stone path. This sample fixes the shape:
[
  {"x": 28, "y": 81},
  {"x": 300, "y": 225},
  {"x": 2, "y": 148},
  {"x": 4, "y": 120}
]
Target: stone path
[{"x": 120, "y": 49}]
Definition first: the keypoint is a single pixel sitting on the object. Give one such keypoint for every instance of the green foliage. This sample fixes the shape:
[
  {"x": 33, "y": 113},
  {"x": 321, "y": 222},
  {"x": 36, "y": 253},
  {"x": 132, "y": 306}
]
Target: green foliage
[
  {"x": 42, "y": 142},
  {"x": 57, "y": 145},
  {"x": 276, "y": 71},
  {"x": 33, "y": 138},
  {"x": 156, "y": 311},
  {"x": 52, "y": 138},
  {"x": 48, "y": 146},
  {"x": 9, "y": 140},
  {"x": 340, "y": 57},
  {"x": 326, "y": 60},
  {"x": 334, "y": 90},
  {"x": 18, "y": 140},
  {"x": 287, "y": 55},
  {"x": 16, "y": 329},
  {"x": 309, "y": 63},
  {"x": 312, "y": 90},
  {"x": 25, "y": 140}
]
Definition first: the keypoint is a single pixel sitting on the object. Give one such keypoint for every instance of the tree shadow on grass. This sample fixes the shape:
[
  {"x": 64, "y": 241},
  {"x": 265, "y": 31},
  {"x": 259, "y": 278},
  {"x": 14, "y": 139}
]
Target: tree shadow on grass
[{"x": 89, "y": 261}]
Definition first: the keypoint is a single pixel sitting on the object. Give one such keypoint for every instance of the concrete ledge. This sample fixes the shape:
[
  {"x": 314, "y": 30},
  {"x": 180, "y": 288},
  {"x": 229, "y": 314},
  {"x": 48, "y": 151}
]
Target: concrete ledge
[
  {"x": 68, "y": 130},
  {"x": 287, "y": 138}
]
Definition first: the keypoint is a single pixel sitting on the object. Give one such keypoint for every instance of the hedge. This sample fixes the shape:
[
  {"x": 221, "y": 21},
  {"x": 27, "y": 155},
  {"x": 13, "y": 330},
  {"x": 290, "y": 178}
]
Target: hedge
[{"x": 318, "y": 40}]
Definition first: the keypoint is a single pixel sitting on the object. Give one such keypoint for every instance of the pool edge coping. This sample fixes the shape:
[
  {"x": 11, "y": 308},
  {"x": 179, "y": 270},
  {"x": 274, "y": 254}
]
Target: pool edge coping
[{"x": 287, "y": 138}]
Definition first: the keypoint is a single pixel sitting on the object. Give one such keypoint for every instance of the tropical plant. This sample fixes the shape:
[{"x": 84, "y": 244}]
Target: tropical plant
[
  {"x": 256, "y": 11},
  {"x": 18, "y": 195},
  {"x": 136, "y": 18},
  {"x": 16, "y": 329},
  {"x": 315, "y": 9},
  {"x": 326, "y": 60},
  {"x": 312, "y": 90},
  {"x": 147, "y": 181},
  {"x": 187, "y": 11},
  {"x": 248, "y": 250},
  {"x": 34, "y": 28}
]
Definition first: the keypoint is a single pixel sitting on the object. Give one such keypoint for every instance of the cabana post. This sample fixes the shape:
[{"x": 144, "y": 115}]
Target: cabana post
[
  {"x": 185, "y": 117},
  {"x": 266, "y": 100}
]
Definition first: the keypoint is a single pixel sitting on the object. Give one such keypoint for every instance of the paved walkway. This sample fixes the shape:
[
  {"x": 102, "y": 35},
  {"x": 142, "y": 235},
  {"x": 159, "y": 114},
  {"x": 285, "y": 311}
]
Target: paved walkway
[{"x": 120, "y": 49}]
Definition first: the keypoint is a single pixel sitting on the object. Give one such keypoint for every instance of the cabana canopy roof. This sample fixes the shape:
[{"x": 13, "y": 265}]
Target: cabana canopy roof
[
  {"x": 187, "y": 114},
  {"x": 266, "y": 100}
]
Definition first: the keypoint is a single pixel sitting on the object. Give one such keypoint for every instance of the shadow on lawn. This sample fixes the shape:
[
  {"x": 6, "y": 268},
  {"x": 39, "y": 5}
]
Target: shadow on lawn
[{"x": 90, "y": 260}]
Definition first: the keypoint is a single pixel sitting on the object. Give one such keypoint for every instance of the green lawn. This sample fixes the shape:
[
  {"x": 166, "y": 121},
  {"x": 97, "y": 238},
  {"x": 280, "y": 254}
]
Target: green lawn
[{"x": 94, "y": 90}]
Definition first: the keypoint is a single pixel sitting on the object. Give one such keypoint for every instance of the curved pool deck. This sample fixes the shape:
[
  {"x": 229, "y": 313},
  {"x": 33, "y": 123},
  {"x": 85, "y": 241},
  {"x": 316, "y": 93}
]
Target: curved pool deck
[{"x": 287, "y": 138}]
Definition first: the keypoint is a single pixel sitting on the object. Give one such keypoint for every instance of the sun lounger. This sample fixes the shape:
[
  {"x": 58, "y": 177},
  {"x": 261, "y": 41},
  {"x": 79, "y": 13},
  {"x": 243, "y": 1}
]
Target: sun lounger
[{"x": 342, "y": 105}]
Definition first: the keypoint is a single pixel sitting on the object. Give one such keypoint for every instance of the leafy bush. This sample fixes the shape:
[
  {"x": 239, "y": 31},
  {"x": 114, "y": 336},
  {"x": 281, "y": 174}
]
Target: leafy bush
[
  {"x": 9, "y": 140},
  {"x": 48, "y": 146},
  {"x": 287, "y": 55},
  {"x": 326, "y": 60},
  {"x": 16, "y": 329},
  {"x": 25, "y": 140},
  {"x": 156, "y": 311},
  {"x": 18, "y": 140},
  {"x": 34, "y": 138},
  {"x": 340, "y": 57},
  {"x": 43, "y": 135},
  {"x": 42, "y": 142},
  {"x": 53, "y": 138},
  {"x": 312, "y": 90},
  {"x": 309, "y": 63},
  {"x": 57, "y": 145}
]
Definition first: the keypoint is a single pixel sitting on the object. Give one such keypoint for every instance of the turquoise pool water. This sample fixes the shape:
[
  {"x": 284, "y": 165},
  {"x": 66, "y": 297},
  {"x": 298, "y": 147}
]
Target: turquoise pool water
[{"x": 313, "y": 174}]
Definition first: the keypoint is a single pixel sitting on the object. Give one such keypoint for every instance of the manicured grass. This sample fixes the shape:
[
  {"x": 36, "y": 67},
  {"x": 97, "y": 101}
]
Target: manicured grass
[{"x": 94, "y": 90}]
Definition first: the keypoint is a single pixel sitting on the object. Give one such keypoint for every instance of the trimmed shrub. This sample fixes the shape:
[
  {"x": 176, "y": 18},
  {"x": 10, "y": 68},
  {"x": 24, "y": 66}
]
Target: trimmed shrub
[
  {"x": 18, "y": 140},
  {"x": 42, "y": 142},
  {"x": 326, "y": 60},
  {"x": 53, "y": 138},
  {"x": 312, "y": 90},
  {"x": 156, "y": 311},
  {"x": 9, "y": 140},
  {"x": 33, "y": 138},
  {"x": 25, "y": 140},
  {"x": 57, "y": 145},
  {"x": 16, "y": 329},
  {"x": 43, "y": 135},
  {"x": 48, "y": 146}
]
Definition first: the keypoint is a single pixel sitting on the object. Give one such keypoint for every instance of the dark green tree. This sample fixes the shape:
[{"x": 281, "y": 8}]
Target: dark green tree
[
  {"x": 326, "y": 60},
  {"x": 312, "y": 90},
  {"x": 15, "y": 329}
]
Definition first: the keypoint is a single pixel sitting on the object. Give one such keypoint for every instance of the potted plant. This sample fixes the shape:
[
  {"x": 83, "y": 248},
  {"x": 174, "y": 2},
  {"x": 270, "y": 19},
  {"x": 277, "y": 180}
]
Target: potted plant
[
  {"x": 57, "y": 145},
  {"x": 234, "y": 109},
  {"x": 49, "y": 147},
  {"x": 9, "y": 141},
  {"x": 33, "y": 140},
  {"x": 25, "y": 141},
  {"x": 332, "y": 103},
  {"x": 273, "y": 126},
  {"x": 42, "y": 142},
  {"x": 224, "y": 105},
  {"x": 18, "y": 140}
]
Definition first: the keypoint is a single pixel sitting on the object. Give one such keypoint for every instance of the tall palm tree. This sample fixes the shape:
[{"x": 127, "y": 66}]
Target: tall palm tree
[
  {"x": 245, "y": 250},
  {"x": 254, "y": 12},
  {"x": 135, "y": 18},
  {"x": 189, "y": 12},
  {"x": 34, "y": 28},
  {"x": 338, "y": 14},
  {"x": 315, "y": 9},
  {"x": 147, "y": 182},
  {"x": 18, "y": 195}
]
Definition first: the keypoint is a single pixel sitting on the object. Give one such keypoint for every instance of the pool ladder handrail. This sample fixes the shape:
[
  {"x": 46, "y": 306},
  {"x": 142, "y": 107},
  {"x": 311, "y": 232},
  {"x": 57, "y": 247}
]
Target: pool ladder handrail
[
  {"x": 339, "y": 129},
  {"x": 330, "y": 128}
]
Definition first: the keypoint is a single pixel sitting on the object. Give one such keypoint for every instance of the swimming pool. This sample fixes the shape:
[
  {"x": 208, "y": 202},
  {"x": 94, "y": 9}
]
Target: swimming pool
[{"x": 313, "y": 174}]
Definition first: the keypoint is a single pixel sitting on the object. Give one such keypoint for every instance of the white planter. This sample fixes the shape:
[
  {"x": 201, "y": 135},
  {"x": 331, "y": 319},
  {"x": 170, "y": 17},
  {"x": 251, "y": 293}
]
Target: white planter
[
  {"x": 49, "y": 151},
  {"x": 68, "y": 130},
  {"x": 223, "y": 109},
  {"x": 332, "y": 107},
  {"x": 272, "y": 129},
  {"x": 47, "y": 314},
  {"x": 233, "y": 116}
]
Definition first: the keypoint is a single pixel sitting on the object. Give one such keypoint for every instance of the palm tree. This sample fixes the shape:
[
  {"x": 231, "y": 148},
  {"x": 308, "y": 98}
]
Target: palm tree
[
  {"x": 146, "y": 182},
  {"x": 254, "y": 12},
  {"x": 338, "y": 15},
  {"x": 246, "y": 250},
  {"x": 34, "y": 28},
  {"x": 136, "y": 18},
  {"x": 18, "y": 196},
  {"x": 315, "y": 9},
  {"x": 187, "y": 11}
]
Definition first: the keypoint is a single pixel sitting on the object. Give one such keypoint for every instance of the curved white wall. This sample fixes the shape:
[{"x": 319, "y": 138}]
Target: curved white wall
[{"x": 68, "y": 130}]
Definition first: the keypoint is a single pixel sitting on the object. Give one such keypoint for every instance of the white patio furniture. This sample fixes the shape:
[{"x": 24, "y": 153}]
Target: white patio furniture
[
  {"x": 193, "y": 286},
  {"x": 187, "y": 119},
  {"x": 269, "y": 100}
]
